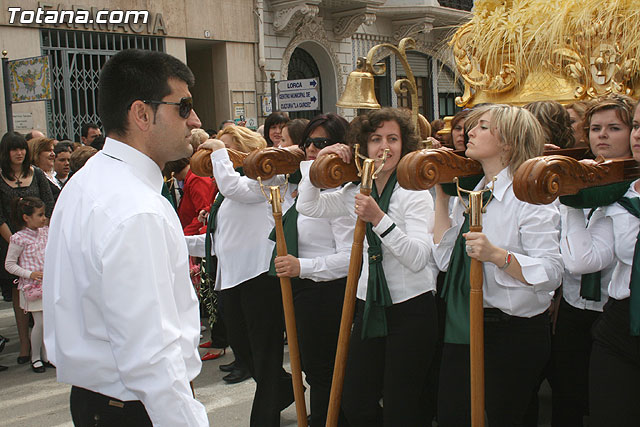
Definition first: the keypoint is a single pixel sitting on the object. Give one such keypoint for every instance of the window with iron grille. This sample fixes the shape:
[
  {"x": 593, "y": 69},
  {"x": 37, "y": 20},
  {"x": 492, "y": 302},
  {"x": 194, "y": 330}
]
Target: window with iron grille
[
  {"x": 457, "y": 4},
  {"x": 75, "y": 59}
]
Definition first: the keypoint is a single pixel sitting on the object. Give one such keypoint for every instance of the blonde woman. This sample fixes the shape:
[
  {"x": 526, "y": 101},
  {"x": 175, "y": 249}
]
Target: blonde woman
[{"x": 519, "y": 249}]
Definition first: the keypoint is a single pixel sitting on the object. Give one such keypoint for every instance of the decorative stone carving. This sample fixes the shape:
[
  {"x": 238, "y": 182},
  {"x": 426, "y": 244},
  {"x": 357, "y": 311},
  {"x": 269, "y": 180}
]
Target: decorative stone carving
[
  {"x": 290, "y": 14},
  {"x": 346, "y": 26},
  {"x": 312, "y": 30},
  {"x": 412, "y": 29}
]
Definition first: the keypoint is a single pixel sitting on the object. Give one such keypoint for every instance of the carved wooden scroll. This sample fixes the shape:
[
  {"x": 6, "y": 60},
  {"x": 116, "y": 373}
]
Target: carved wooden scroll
[
  {"x": 330, "y": 172},
  {"x": 270, "y": 161},
  {"x": 423, "y": 169},
  {"x": 542, "y": 180},
  {"x": 201, "y": 161}
]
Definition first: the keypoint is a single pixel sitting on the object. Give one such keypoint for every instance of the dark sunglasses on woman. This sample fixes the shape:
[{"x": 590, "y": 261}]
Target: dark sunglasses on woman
[{"x": 319, "y": 143}]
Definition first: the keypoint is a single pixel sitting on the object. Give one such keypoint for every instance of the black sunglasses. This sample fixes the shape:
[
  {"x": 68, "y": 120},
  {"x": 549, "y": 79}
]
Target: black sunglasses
[
  {"x": 185, "y": 105},
  {"x": 319, "y": 143}
]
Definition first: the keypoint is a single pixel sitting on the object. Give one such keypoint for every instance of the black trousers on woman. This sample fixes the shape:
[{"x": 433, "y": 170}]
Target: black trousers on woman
[
  {"x": 516, "y": 349},
  {"x": 393, "y": 368},
  {"x": 614, "y": 371},
  {"x": 318, "y": 307},
  {"x": 253, "y": 317},
  {"x": 570, "y": 355}
]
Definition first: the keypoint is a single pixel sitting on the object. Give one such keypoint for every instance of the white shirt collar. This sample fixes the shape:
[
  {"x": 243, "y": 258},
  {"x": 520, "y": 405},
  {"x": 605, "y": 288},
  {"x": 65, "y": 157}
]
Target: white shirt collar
[
  {"x": 140, "y": 163},
  {"x": 502, "y": 183}
]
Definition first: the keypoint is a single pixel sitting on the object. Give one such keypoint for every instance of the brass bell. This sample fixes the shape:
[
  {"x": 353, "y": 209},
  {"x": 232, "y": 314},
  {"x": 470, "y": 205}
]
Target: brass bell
[{"x": 359, "y": 92}]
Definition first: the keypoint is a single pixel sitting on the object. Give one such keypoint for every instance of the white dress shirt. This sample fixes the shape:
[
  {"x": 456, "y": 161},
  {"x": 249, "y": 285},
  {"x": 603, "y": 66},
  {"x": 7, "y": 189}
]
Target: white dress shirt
[
  {"x": 121, "y": 317},
  {"x": 406, "y": 250},
  {"x": 578, "y": 239},
  {"x": 625, "y": 233},
  {"x": 531, "y": 233},
  {"x": 243, "y": 224},
  {"x": 324, "y": 246}
]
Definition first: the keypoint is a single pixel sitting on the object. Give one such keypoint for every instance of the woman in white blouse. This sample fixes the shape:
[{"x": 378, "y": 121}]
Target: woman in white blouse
[
  {"x": 607, "y": 123},
  {"x": 319, "y": 270},
  {"x": 392, "y": 340},
  {"x": 614, "y": 370},
  {"x": 519, "y": 249}
]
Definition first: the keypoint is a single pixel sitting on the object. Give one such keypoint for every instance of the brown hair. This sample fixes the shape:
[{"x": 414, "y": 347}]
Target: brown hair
[
  {"x": 296, "y": 129},
  {"x": 80, "y": 156},
  {"x": 623, "y": 106},
  {"x": 363, "y": 126},
  {"x": 517, "y": 130},
  {"x": 39, "y": 145},
  {"x": 555, "y": 121}
]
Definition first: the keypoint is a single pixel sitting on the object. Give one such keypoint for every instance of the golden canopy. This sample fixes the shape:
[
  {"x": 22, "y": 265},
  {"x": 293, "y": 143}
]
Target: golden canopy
[{"x": 519, "y": 51}]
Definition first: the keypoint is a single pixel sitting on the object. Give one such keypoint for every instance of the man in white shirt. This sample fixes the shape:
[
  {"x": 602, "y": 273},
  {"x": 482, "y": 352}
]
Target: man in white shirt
[{"x": 121, "y": 317}]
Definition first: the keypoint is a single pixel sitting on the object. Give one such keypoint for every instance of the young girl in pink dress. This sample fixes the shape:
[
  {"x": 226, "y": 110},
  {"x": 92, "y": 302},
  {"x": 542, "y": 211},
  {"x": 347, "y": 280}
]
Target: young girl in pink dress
[{"x": 25, "y": 259}]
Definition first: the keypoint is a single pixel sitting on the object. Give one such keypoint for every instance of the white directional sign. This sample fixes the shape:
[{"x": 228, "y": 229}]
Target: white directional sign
[
  {"x": 296, "y": 85},
  {"x": 298, "y": 95}
]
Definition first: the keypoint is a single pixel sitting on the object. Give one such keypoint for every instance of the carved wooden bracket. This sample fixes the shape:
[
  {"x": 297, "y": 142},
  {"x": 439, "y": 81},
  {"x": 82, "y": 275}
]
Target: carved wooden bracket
[
  {"x": 423, "y": 169},
  {"x": 542, "y": 180},
  {"x": 271, "y": 161},
  {"x": 330, "y": 172},
  {"x": 201, "y": 161}
]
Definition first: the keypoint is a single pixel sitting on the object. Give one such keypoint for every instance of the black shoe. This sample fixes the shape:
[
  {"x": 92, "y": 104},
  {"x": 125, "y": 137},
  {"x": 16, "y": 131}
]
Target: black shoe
[
  {"x": 7, "y": 298},
  {"x": 38, "y": 369},
  {"x": 48, "y": 364},
  {"x": 3, "y": 341},
  {"x": 228, "y": 367},
  {"x": 3, "y": 368},
  {"x": 23, "y": 359},
  {"x": 236, "y": 376}
]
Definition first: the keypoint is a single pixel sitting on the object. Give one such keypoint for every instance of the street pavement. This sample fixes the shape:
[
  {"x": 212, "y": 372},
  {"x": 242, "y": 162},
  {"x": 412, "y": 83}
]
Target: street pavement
[{"x": 28, "y": 399}]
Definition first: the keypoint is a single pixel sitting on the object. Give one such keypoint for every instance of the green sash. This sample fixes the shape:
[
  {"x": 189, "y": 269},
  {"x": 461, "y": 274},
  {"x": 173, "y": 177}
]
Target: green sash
[
  {"x": 456, "y": 287},
  {"x": 633, "y": 206},
  {"x": 590, "y": 282},
  {"x": 374, "y": 321}
]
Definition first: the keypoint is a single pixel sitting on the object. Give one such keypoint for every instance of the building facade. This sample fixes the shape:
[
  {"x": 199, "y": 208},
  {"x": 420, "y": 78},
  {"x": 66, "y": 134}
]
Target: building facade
[{"x": 236, "y": 49}]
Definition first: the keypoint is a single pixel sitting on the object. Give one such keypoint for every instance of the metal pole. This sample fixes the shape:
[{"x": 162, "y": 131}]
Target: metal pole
[
  {"x": 274, "y": 100},
  {"x": 7, "y": 91}
]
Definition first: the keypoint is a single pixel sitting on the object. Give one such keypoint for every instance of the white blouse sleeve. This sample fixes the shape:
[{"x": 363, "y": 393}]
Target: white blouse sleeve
[
  {"x": 442, "y": 251},
  {"x": 313, "y": 203},
  {"x": 586, "y": 249},
  {"x": 11, "y": 262},
  {"x": 540, "y": 259},
  {"x": 234, "y": 186},
  {"x": 413, "y": 245},
  {"x": 334, "y": 266},
  {"x": 196, "y": 245}
]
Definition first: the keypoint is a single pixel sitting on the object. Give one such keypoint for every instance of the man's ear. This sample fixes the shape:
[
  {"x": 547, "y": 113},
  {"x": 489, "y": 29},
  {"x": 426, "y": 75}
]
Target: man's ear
[{"x": 140, "y": 115}]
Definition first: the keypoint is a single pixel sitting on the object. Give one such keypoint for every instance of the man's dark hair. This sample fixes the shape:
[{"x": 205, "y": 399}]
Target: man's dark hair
[
  {"x": 224, "y": 122},
  {"x": 62, "y": 147},
  {"x": 12, "y": 141},
  {"x": 98, "y": 142},
  {"x": 336, "y": 126},
  {"x": 29, "y": 136},
  {"x": 134, "y": 74},
  {"x": 84, "y": 130}
]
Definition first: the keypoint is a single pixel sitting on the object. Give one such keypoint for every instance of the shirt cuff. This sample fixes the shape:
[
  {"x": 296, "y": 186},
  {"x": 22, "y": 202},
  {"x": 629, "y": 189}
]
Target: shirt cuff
[
  {"x": 220, "y": 155},
  {"x": 383, "y": 225},
  {"x": 533, "y": 272},
  {"x": 306, "y": 267},
  {"x": 305, "y": 165}
]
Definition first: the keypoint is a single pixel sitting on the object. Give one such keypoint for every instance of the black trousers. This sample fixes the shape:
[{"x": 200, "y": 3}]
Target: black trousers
[
  {"x": 91, "y": 409},
  {"x": 570, "y": 354},
  {"x": 394, "y": 367},
  {"x": 614, "y": 381},
  {"x": 318, "y": 308},
  {"x": 516, "y": 350},
  {"x": 254, "y": 321}
]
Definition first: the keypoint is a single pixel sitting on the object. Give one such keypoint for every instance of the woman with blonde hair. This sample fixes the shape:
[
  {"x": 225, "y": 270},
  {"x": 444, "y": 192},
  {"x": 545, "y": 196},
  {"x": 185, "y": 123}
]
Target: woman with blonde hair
[
  {"x": 519, "y": 251},
  {"x": 240, "y": 223}
]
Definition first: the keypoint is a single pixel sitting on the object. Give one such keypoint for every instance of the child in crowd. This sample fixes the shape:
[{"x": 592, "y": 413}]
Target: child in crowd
[{"x": 25, "y": 259}]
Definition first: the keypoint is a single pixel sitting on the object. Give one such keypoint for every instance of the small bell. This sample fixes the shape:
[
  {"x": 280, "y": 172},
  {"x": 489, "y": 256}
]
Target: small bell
[{"x": 359, "y": 92}]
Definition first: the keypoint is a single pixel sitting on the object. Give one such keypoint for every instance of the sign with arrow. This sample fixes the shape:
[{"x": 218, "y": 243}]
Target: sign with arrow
[{"x": 298, "y": 95}]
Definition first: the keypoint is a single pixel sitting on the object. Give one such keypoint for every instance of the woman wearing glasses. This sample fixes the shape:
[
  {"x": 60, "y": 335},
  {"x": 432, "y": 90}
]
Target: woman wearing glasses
[
  {"x": 319, "y": 269},
  {"x": 393, "y": 339}
]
